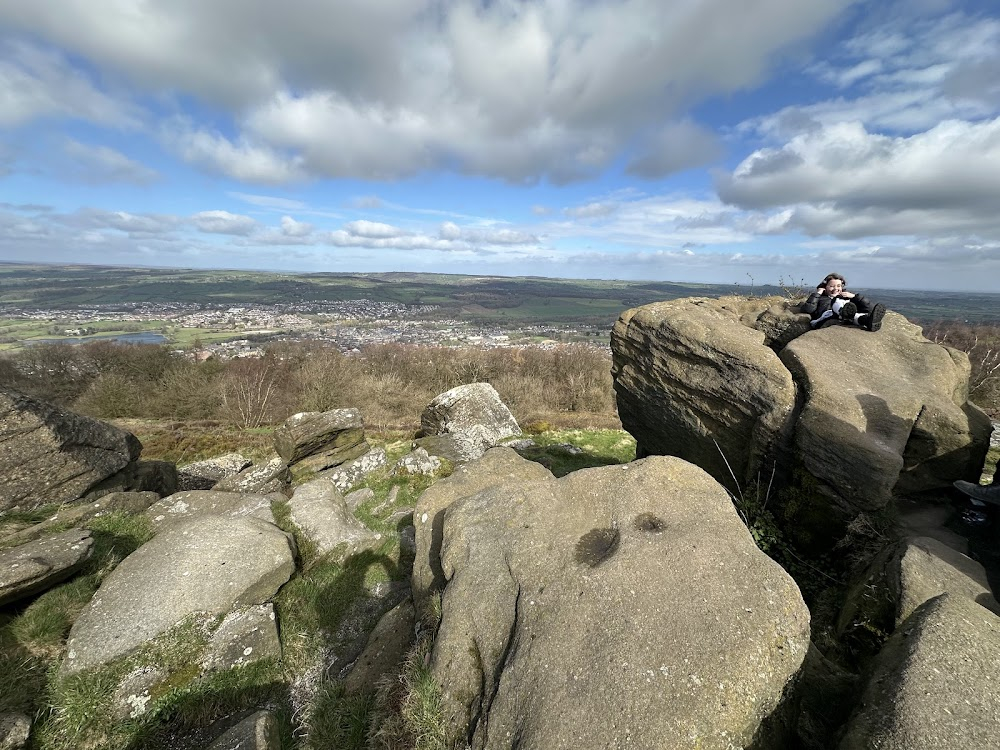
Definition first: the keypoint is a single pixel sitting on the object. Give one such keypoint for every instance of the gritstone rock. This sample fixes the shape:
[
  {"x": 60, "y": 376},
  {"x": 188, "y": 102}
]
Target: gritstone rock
[
  {"x": 320, "y": 511},
  {"x": 261, "y": 480},
  {"x": 619, "y": 606},
  {"x": 39, "y": 565},
  {"x": 498, "y": 466},
  {"x": 185, "y": 506},
  {"x": 50, "y": 455},
  {"x": 337, "y": 432},
  {"x": 461, "y": 424},
  {"x": 204, "y": 475},
  {"x": 211, "y": 565},
  {"x": 934, "y": 682}
]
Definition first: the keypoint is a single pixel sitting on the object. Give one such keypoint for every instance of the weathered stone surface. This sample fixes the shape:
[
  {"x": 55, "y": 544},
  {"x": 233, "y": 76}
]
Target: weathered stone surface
[
  {"x": 901, "y": 422},
  {"x": 620, "y": 606},
  {"x": 244, "y": 636},
  {"x": 458, "y": 447},
  {"x": 330, "y": 459},
  {"x": 204, "y": 475},
  {"x": 498, "y": 466},
  {"x": 387, "y": 645},
  {"x": 357, "y": 498},
  {"x": 320, "y": 511},
  {"x": 903, "y": 577},
  {"x": 14, "y": 730},
  {"x": 348, "y": 474},
  {"x": 261, "y": 480},
  {"x": 211, "y": 564},
  {"x": 307, "y": 433},
  {"x": 417, "y": 461},
  {"x": 50, "y": 455},
  {"x": 36, "y": 566},
  {"x": 185, "y": 506},
  {"x": 259, "y": 731},
  {"x": 934, "y": 684},
  {"x": 132, "y": 697},
  {"x": 475, "y": 414},
  {"x": 155, "y": 476},
  {"x": 123, "y": 502},
  {"x": 694, "y": 382}
]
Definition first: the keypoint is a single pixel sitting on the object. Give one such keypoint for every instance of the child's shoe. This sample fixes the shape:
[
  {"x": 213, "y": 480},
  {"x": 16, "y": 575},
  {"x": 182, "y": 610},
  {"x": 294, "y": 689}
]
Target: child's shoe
[
  {"x": 873, "y": 320},
  {"x": 848, "y": 311}
]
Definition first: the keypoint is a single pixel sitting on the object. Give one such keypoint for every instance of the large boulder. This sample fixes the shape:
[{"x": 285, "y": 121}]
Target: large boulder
[
  {"x": 618, "y": 606},
  {"x": 884, "y": 413},
  {"x": 934, "y": 682},
  {"x": 498, "y": 466},
  {"x": 182, "y": 507},
  {"x": 211, "y": 564},
  {"x": 50, "y": 455},
  {"x": 693, "y": 381},
  {"x": 855, "y": 417},
  {"x": 461, "y": 424}
]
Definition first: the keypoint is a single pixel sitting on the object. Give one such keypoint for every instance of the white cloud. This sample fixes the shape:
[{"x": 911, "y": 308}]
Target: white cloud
[
  {"x": 594, "y": 210},
  {"x": 269, "y": 201},
  {"x": 843, "y": 180},
  {"x": 520, "y": 91},
  {"x": 36, "y": 82},
  {"x": 292, "y": 228},
  {"x": 372, "y": 229},
  {"x": 223, "y": 222},
  {"x": 451, "y": 231}
]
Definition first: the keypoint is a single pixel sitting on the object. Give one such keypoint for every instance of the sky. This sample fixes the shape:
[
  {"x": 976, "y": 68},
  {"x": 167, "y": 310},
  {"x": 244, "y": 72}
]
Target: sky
[{"x": 720, "y": 141}]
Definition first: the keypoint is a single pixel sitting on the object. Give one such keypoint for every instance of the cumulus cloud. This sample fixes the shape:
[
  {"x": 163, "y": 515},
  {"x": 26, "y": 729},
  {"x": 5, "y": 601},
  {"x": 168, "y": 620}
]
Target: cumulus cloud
[
  {"x": 223, "y": 222},
  {"x": 38, "y": 82},
  {"x": 451, "y": 231},
  {"x": 372, "y": 229},
  {"x": 517, "y": 91},
  {"x": 843, "y": 180},
  {"x": 292, "y": 228},
  {"x": 593, "y": 210}
]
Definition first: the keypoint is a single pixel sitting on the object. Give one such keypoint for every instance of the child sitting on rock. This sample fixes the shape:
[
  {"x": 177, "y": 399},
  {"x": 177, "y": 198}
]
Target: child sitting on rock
[{"x": 831, "y": 303}]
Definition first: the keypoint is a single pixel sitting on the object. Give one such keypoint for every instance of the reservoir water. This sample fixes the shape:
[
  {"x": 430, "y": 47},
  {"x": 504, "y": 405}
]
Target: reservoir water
[{"x": 142, "y": 337}]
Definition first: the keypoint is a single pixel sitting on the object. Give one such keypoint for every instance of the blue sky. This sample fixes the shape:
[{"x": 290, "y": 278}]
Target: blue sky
[{"x": 691, "y": 140}]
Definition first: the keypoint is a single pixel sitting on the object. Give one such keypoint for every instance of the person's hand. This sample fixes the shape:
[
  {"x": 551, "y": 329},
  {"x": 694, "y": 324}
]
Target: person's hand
[
  {"x": 821, "y": 289},
  {"x": 846, "y": 295}
]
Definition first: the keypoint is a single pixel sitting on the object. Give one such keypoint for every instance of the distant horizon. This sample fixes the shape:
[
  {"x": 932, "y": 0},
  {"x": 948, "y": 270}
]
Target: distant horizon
[
  {"x": 738, "y": 285},
  {"x": 705, "y": 142}
]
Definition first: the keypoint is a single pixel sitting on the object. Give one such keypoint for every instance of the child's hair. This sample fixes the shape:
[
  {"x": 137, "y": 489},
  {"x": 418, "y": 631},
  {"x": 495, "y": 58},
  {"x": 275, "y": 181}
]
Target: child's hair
[{"x": 833, "y": 276}]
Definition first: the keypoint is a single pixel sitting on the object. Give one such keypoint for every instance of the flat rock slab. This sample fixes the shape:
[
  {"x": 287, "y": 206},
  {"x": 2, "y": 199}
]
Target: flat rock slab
[
  {"x": 320, "y": 511},
  {"x": 50, "y": 455},
  {"x": 185, "y": 506},
  {"x": 624, "y": 606},
  {"x": 387, "y": 646},
  {"x": 130, "y": 503},
  {"x": 204, "y": 475},
  {"x": 211, "y": 565},
  {"x": 935, "y": 683},
  {"x": 36, "y": 566},
  {"x": 348, "y": 474}
]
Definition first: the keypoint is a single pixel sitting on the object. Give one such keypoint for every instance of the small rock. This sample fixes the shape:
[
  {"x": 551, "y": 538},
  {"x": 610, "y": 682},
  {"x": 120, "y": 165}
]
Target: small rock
[
  {"x": 204, "y": 475},
  {"x": 132, "y": 697},
  {"x": 36, "y": 566},
  {"x": 358, "y": 498},
  {"x": 417, "y": 461},
  {"x": 243, "y": 637},
  {"x": 271, "y": 477},
  {"x": 14, "y": 730},
  {"x": 258, "y": 731}
]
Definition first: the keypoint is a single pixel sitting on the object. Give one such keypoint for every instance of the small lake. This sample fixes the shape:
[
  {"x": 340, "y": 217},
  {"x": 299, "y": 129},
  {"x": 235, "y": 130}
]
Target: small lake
[{"x": 142, "y": 337}]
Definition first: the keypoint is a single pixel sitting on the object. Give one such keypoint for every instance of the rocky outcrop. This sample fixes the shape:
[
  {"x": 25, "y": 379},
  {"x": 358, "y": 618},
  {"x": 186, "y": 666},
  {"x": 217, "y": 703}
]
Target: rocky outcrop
[
  {"x": 498, "y": 467},
  {"x": 860, "y": 416},
  {"x": 626, "y": 605},
  {"x": 259, "y": 480},
  {"x": 350, "y": 473},
  {"x": 892, "y": 416},
  {"x": 934, "y": 683},
  {"x": 244, "y": 636},
  {"x": 693, "y": 381},
  {"x": 36, "y": 566},
  {"x": 386, "y": 647},
  {"x": 50, "y": 455},
  {"x": 212, "y": 565},
  {"x": 131, "y": 503},
  {"x": 461, "y": 424}
]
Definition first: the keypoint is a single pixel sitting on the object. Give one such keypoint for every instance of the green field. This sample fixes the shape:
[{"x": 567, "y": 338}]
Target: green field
[{"x": 486, "y": 299}]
